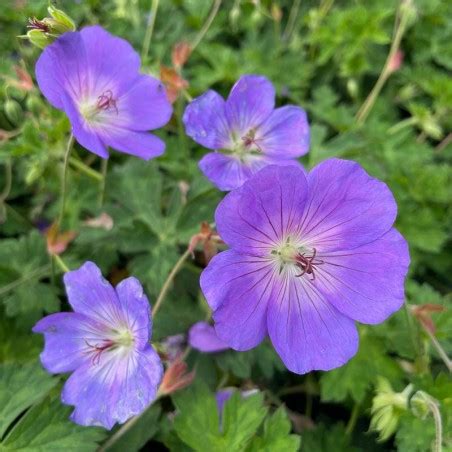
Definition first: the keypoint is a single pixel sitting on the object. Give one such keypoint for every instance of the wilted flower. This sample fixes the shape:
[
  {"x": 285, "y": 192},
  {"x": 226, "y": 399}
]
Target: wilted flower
[
  {"x": 176, "y": 377},
  {"x": 209, "y": 240},
  {"x": 180, "y": 54},
  {"x": 103, "y": 221},
  {"x": 387, "y": 407},
  {"x": 57, "y": 241},
  {"x": 173, "y": 81},
  {"x": 43, "y": 32},
  {"x": 93, "y": 76},
  {"x": 172, "y": 347},
  {"x": 423, "y": 314},
  {"x": 309, "y": 256},
  {"x": 247, "y": 130},
  {"x": 104, "y": 342},
  {"x": 202, "y": 337}
]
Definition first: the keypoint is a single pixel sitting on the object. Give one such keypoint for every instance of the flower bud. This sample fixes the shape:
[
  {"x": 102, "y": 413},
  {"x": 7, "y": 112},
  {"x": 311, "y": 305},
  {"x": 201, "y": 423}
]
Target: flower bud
[
  {"x": 13, "y": 111},
  {"x": 419, "y": 404},
  {"x": 387, "y": 407},
  {"x": 62, "y": 22}
]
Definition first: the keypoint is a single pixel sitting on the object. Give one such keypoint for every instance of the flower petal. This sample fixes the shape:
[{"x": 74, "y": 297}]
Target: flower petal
[
  {"x": 366, "y": 283},
  {"x": 285, "y": 133},
  {"x": 82, "y": 132},
  {"x": 202, "y": 337},
  {"x": 238, "y": 287},
  {"x": 111, "y": 60},
  {"x": 62, "y": 67},
  {"x": 141, "y": 144},
  {"x": 250, "y": 103},
  {"x": 136, "y": 308},
  {"x": 346, "y": 207},
  {"x": 144, "y": 106},
  {"x": 92, "y": 295},
  {"x": 67, "y": 335},
  {"x": 307, "y": 332},
  {"x": 258, "y": 215},
  {"x": 115, "y": 389},
  {"x": 205, "y": 121}
]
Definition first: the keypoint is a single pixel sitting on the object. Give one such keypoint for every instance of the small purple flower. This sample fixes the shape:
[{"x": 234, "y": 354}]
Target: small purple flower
[
  {"x": 202, "y": 337},
  {"x": 247, "y": 129},
  {"x": 308, "y": 257},
  {"x": 94, "y": 77},
  {"x": 105, "y": 343}
]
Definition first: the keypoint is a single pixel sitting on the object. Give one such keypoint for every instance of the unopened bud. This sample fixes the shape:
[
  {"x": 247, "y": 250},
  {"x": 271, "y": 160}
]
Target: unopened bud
[
  {"x": 62, "y": 22},
  {"x": 419, "y": 404},
  {"x": 13, "y": 111}
]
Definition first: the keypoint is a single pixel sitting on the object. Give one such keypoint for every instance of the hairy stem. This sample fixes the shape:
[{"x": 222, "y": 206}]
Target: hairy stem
[
  {"x": 168, "y": 281},
  {"x": 8, "y": 180},
  {"x": 70, "y": 145},
  {"x": 61, "y": 263},
  {"x": 439, "y": 349},
  {"x": 400, "y": 28},
  {"x": 149, "y": 29},
  {"x": 104, "y": 168},
  {"x": 85, "y": 169},
  {"x": 207, "y": 24},
  {"x": 438, "y": 425},
  {"x": 353, "y": 419}
]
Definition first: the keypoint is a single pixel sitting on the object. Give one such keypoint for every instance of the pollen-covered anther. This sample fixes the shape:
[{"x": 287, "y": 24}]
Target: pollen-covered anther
[
  {"x": 106, "y": 101},
  {"x": 307, "y": 264}
]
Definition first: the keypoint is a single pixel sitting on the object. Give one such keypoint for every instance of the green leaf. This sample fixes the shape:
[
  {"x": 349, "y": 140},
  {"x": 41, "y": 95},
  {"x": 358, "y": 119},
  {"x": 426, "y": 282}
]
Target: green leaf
[
  {"x": 47, "y": 427},
  {"x": 276, "y": 435},
  {"x": 198, "y": 423},
  {"x": 20, "y": 387},
  {"x": 140, "y": 433},
  {"x": 355, "y": 377}
]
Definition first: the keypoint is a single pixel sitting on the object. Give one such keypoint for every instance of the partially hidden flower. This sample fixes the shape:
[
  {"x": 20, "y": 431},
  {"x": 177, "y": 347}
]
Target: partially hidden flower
[
  {"x": 94, "y": 77},
  {"x": 105, "y": 344},
  {"x": 203, "y": 337},
  {"x": 245, "y": 131},
  {"x": 223, "y": 395},
  {"x": 309, "y": 256}
]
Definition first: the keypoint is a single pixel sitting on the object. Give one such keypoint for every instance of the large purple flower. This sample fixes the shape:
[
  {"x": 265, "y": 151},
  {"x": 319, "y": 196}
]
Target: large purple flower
[
  {"x": 105, "y": 343},
  {"x": 94, "y": 77},
  {"x": 309, "y": 256},
  {"x": 247, "y": 130}
]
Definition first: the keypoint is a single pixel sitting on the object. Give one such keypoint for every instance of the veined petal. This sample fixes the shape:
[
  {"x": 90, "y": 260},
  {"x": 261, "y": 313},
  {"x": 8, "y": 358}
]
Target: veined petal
[
  {"x": 118, "y": 387},
  {"x": 67, "y": 337},
  {"x": 110, "y": 60},
  {"x": 307, "y": 332},
  {"x": 62, "y": 68},
  {"x": 144, "y": 106},
  {"x": 346, "y": 208},
  {"x": 238, "y": 287},
  {"x": 83, "y": 132},
  {"x": 366, "y": 283},
  {"x": 250, "y": 103},
  {"x": 285, "y": 133},
  {"x": 136, "y": 308},
  {"x": 205, "y": 121},
  {"x": 261, "y": 213},
  {"x": 89, "y": 293},
  {"x": 141, "y": 144}
]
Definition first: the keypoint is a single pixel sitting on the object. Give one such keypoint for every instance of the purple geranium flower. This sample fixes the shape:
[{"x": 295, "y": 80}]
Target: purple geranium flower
[
  {"x": 93, "y": 76},
  {"x": 105, "y": 343},
  {"x": 203, "y": 337},
  {"x": 247, "y": 129},
  {"x": 309, "y": 256}
]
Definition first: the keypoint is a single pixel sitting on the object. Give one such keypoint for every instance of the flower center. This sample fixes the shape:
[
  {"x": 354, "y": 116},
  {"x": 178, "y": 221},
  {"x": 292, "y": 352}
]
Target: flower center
[
  {"x": 105, "y": 102},
  {"x": 123, "y": 339},
  {"x": 245, "y": 145},
  {"x": 304, "y": 260}
]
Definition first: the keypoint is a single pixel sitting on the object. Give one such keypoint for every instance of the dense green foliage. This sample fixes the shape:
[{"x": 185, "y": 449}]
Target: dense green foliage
[{"x": 323, "y": 55}]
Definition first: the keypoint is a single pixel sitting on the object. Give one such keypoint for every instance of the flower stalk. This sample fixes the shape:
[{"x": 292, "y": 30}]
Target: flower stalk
[{"x": 70, "y": 145}]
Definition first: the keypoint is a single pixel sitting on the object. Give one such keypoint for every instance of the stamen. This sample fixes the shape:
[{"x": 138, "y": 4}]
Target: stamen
[
  {"x": 36, "y": 24},
  {"x": 99, "y": 349},
  {"x": 106, "y": 101},
  {"x": 307, "y": 264},
  {"x": 250, "y": 139}
]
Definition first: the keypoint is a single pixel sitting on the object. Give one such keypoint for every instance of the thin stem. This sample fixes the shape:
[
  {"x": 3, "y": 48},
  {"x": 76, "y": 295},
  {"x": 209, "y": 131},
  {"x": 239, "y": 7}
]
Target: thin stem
[
  {"x": 207, "y": 24},
  {"x": 353, "y": 419},
  {"x": 8, "y": 180},
  {"x": 366, "y": 107},
  {"x": 70, "y": 145},
  {"x": 439, "y": 348},
  {"x": 438, "y": 425},
  {"x": 411, "y": 328},
  {"x": 149, "y": 29},
  {"x": 444, "y": 143},
  {"x": 291, "y": 21},
  {"x": 61, "y": 263},
  {"x": 104, "y": 168},
  {"x": 168, "y": 281},
  {"x": 85, "y": 169}
]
